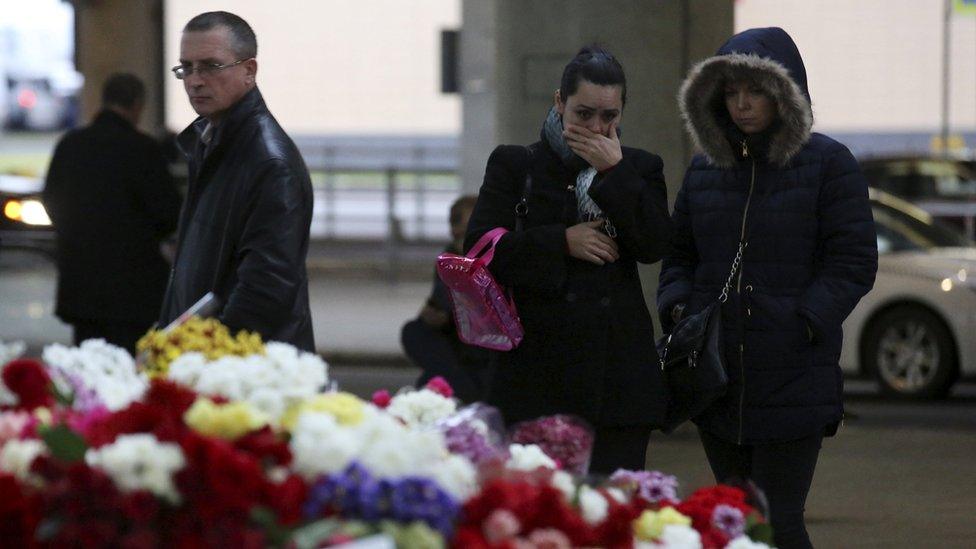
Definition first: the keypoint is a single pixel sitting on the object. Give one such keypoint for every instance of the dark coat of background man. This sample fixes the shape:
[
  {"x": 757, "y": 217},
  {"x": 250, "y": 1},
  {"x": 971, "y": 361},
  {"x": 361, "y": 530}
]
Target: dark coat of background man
[
  {"x": 112, "y": 202},
  {"x": 244, "y": 227}
]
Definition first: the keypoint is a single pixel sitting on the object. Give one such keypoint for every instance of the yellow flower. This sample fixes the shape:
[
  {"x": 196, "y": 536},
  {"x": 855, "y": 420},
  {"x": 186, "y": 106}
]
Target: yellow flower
[
  {"x": 345, "y": 407},
  {"x": 226, "y": 421},
  {"x": 650, "y": 525},
  {"x": 156, "y": 349}
]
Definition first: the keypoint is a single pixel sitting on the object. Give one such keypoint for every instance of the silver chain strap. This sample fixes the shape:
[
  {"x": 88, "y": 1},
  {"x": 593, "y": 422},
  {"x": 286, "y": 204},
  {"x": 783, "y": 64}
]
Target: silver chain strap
[{"x": 735, "y": 267}]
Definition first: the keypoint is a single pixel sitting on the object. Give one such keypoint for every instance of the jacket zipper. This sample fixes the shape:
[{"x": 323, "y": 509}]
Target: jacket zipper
[{"x": 738, "y": 289}]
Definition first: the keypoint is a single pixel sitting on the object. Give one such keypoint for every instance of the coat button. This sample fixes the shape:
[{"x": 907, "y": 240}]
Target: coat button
[
  {"x": 605, "y": 301},
  {"x": 570, "y": 296}
]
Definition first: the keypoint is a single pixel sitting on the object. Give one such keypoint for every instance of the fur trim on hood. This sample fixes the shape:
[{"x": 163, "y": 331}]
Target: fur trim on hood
[{"x": 703, "y": 88}]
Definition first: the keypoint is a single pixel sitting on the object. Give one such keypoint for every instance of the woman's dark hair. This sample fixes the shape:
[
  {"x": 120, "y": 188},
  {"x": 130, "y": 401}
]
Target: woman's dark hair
[{"x": 593, "y": 64}]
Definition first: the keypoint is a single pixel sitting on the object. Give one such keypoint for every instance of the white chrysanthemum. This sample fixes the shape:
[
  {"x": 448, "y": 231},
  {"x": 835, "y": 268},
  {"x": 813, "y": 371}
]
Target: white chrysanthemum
[
  {"x": 593, "y": 505},
  {"x": 744, "y": 542},
  {"x": 421, "y": 408},
  {"x": 674, "y": 536},
  {"x": 457, "y": 476},
  {"x": 107, "y": 370},
  {"x": 17, "y": 456},
  {"x": 321, "y": 446},
  {"x": 271, "y": 382},
  {"x": 140, "y": 462},
  {"x": 563, "y": 481},
  {"x": 528, "y": 457},
  {"x": 393, "y": 450}
]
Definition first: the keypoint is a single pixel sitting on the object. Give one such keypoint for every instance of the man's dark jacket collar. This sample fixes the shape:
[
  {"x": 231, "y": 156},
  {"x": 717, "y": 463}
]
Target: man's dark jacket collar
[{"x": 252, "y": 103}]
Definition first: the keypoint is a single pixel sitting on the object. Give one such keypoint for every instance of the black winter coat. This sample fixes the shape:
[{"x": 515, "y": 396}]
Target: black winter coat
[
  {"x": 244, "y": 228},
  {"x": 589, "y": 341},
  {"x": 802, "y": 205},
  {"x": 112, "y": 202}
]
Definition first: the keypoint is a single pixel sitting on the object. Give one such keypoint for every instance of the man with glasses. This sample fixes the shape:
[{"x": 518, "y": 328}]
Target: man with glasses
[{"x": 244, "y": 226}]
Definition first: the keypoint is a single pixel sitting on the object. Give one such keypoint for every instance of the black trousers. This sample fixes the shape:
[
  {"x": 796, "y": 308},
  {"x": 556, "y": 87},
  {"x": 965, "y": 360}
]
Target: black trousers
[
  {"x": 122, "y": 334},
  {"x": 782, "y": 470},
  {"x": 438, "y": 354},
  {"x": 619, "y": 448}
]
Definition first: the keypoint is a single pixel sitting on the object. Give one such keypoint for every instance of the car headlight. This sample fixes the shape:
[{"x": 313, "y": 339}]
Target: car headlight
[{"x": 28, "y": 211}]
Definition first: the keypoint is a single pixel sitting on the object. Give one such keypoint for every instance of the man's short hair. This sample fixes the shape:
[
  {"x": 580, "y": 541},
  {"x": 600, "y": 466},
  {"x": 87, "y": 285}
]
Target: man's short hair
[
  {"x": 124, "y": 90},
  {"x": 245, "y": 43}
]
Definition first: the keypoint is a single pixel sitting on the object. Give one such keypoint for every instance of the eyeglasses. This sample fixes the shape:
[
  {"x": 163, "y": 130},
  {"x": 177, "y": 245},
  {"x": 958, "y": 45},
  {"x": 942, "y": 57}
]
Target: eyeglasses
[{"x": 203, "y": 69}]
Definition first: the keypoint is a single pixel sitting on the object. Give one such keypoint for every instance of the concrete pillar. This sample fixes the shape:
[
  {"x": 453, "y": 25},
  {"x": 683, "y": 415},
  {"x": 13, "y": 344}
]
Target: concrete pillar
[
  {"x": 121, "y": 36},
  {"x": 513, "y": 53}
]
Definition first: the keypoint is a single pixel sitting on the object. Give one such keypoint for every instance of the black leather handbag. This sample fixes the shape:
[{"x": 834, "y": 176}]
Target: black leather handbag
[{"x": 693, "y": 360}]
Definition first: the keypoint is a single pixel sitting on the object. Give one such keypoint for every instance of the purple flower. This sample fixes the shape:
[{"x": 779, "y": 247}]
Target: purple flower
[
  {"x": 419, "y": 498},
  {"x": 728, "y": 519},
  {"x": 652, "y": 486},
  {"x": 465, "y": 440}
]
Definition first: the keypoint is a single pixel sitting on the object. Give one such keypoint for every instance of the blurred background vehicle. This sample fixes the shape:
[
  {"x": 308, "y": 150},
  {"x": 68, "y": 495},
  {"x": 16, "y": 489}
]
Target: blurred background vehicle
[
  {"x": 914, "y": 331},
  {"x": 43, "y": 100},
  {"x": 942, "y": 186},
  {"x": 24, "y": 222}
]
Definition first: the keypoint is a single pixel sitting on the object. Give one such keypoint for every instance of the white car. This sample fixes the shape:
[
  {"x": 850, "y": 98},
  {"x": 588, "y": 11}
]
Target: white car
[{"x": 916, "y": 330}]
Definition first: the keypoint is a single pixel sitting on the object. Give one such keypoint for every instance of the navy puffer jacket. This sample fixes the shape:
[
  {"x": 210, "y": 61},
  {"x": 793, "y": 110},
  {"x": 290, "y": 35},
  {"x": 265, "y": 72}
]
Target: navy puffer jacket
[{"x": 801, "y": 205}]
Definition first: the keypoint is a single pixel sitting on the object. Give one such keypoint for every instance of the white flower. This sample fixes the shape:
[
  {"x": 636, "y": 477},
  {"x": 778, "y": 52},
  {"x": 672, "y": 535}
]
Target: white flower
[
  {"x": 457, "y": 476},
  {"x": 674, "y": 536},
  {"x": 140, "y": 462},
  {"x": 421, "y": 408},
  {"x": 743, "y": 542},
  {"x": 107, "y": 370},
  {"x": 321, "y": 446},
  {"x": 271, "y": 382},
  {"x": 593, "y": 505},
  {"x": 17, "y": 456},
  {"x": 393, "y": 450},
  {"x": 11, "y": 351},
  {"x": 563, "y": 481},
  {"x": 528, "y": 457},
  {"x": 617, "y": 494}
]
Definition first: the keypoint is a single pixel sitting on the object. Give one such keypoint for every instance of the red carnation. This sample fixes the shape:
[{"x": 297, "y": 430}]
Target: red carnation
[
  {"x": 440, "y": 386},
  {"x": 19, "y": 513},
  {"x": 382, "y": 398},
  {"x": 28, "y": 379}
]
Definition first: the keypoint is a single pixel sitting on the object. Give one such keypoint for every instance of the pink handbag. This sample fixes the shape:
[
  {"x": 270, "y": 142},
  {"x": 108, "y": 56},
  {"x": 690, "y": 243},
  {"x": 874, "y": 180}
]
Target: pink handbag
[{"x": 484, "y": 313}]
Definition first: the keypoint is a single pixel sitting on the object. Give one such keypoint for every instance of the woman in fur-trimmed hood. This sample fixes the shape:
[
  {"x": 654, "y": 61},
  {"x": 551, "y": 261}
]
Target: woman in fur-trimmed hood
[{"x": 798, "y": 203}]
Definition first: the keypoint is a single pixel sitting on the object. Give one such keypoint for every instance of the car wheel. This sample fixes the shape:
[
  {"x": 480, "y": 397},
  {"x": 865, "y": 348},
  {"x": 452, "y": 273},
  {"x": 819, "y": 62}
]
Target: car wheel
[{"x": 911, "y": 353}]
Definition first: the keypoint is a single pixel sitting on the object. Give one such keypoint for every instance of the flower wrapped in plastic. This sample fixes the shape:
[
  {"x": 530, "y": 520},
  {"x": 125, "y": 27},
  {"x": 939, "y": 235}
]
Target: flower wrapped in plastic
[
  {"x": 565, "y": 438},
  {"x": 476, "y": 432}
]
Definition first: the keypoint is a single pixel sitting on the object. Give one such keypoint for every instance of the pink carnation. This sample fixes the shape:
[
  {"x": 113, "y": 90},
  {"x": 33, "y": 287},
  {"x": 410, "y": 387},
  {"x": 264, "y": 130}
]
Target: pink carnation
[
  {"x": 550, "y": 538},
  {"x": 440, "y": 386},
  {"x": 500, "y": 525},
  {"x": 12, "y": 425},
  {"x": 382, "y": 398}
]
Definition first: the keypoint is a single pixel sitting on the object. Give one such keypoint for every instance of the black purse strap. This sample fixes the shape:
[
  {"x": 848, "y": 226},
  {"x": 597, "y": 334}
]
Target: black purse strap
[{"x": 522, "y": 208}]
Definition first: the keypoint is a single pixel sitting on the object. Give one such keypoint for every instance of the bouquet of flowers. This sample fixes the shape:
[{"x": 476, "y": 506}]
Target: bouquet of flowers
[
  {"x": 564, "y": 438},
  {"x": 207, "y": 336}
]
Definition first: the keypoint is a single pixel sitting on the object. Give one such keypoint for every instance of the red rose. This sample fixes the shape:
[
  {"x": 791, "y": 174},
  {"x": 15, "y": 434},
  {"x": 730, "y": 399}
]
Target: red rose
[
  {"x": 266, "y": 446},
  {"x": 28, "y": 379}
]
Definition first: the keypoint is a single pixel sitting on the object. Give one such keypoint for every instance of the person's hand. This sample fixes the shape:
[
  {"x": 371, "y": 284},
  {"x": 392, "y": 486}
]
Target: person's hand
[
  {"x": 600, "y": 151},
  {"x": 433, "y": 317},
  {"x": 586, "y": 242}
]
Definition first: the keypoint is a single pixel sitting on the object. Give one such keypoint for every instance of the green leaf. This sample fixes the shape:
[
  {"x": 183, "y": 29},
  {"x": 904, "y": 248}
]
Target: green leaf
[
  {"x": 762, "y": 533},
  {"x": 266, "y": 518},
  {"x": 64, "y": 444}
]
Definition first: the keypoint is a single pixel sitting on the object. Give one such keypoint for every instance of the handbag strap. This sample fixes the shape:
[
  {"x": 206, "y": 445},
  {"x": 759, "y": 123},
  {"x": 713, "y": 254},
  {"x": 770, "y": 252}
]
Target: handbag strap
[
  {"x": 490, "y": 238},
  {"x": 736, "y": 263}
]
